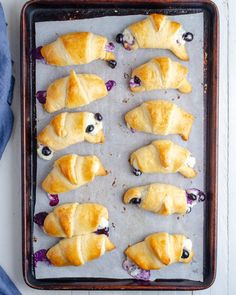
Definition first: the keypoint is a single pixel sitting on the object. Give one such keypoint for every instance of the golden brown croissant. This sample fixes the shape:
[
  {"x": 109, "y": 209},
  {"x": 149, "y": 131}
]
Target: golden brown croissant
[
  {"x": 72, "y": 171},
  {"x": 163, "y": 156},
  {"x": 77, "y": 48},
  {"x": 156, "y": 31},
  {"x": 159, "y": 250},
  {"x": 74, "y": 219},
  {"x": 160, "y": 73},
  {"x": 80, "y": 249},
  {"x": 73, "y": 91},
  {"x": 160, "y": 117},
  {"x": 66, "y": 129},
  {"x": 159, "y": 198}
]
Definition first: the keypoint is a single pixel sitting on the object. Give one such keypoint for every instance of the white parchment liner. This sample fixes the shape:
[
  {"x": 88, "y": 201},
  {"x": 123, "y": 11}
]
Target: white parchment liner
[{"x": 128, "y": 224}]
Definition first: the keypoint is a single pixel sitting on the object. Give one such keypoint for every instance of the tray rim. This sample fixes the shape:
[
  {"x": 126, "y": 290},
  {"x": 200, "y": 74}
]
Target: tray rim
[{"x": 109, "y": 284}]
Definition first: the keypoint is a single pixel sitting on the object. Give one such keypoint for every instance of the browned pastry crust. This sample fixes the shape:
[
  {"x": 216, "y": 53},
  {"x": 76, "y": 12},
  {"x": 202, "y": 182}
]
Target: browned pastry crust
[
  {"x": 163, "y": 199},
  {"x": 66, "y": 129},
  {"x": 158, "y": 250},
  {"x": 79, "y": 249},
  {"x": 74, "y": 91},
  {"x": 162, "y": 156},
  {"x": 158, "y": 31},
  {"x": 160, "y": 117},
  {"x": 72, "y": 171},
  {"x": 162, "y": 73},
  {"x": 75, "y": 49},
  {"x": 73, "y": 219}
]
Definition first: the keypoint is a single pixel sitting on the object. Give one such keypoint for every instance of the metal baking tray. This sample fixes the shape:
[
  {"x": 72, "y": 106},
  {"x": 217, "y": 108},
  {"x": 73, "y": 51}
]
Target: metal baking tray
[{"x": 49, "y": 10}]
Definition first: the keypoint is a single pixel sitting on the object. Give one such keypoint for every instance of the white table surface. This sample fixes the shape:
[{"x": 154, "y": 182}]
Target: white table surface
[{"x": 10, "y": 209}]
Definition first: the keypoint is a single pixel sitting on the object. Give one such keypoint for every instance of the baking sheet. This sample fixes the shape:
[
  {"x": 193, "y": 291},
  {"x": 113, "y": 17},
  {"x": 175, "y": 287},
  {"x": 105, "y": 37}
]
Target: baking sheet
[{"x": 128, "y": 223}]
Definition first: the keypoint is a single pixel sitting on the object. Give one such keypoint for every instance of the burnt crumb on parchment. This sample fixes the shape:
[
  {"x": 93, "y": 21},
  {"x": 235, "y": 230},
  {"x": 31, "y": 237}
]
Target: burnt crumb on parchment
[
  {"x": 124, "y": 208},
  {"x": 113, "y": 225},
  {"x": 172, "y": 99},
  {"x": 124, "y": 185},
  {"x": 110, "y": 154},
  {"x": 120, "y": 125},
  {"x": 114, "y": 182},
  {"x": 125, "y": 100},
  {"x": 178, "y": 96},
  {"x": 178, "y": 218},
  {"x": 126, "y": 76},
  {"x": 35, "y": 239}
]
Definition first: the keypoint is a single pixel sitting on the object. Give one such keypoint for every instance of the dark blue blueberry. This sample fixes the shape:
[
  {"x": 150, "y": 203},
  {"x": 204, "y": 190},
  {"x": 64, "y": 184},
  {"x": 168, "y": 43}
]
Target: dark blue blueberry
[
  {"x": 98, "y": 117},
  {"x": 188, "y": 37},
  {"x": 137, "y": 172},
  {"x": 137, "y": 80},
  {"x": 89, "y": 129},
  {"x": 112, "y": 63},
  {"x": 192, "y": 197},
  {"x": 46, "y": 151},
  {"x": 119, "y": 38},
  {"x": 135, "y": 201},
  {"x": 185, "y": 254}
]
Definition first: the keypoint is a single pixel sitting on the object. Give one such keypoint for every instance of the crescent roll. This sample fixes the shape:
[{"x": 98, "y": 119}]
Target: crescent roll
[
  {"x": 74, "y": 91},
  {"x": 163, "y": 199},
  {"x": 160, "y": 73},
  {"x": 159, "y": 250},
  {"x": 160, "y": 117},
  {"x": 66, "y": 129},
  {"x": 77, "y": 48},
  {"x": 80, "y": 249},
  {"x": 156, "y": 31},
  {"x": 74, "y": 219},
  {"x": 72, "y": 171},
  {"x": 163, "y": 156}
]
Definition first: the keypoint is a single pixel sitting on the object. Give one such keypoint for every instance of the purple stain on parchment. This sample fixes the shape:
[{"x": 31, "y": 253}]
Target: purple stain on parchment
[
  {"x": 54, "y": 199},
  {"x": 40, "y": 256},
  {"x": 39, "y": 218},
  {"x": 41, "y": 96},
  {"x": 136, "y": 272},
  {"x": 110, "y": 84}
]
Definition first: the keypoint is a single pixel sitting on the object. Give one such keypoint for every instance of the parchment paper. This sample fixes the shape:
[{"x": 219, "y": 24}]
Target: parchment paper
[{"x": 128, "y": 224}]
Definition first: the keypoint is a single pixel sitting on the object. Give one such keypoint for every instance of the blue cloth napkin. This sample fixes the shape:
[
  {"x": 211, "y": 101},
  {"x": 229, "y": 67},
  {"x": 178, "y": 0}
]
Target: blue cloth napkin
[
  {"x": 6, "y": 86},
  {"x": 7, "y": 287}
]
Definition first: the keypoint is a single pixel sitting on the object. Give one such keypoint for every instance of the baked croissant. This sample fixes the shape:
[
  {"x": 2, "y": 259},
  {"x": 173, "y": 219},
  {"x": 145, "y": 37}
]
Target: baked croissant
[
  {"x": 66, "y": 129},
  {"x": 163, "y": 199},
  {"x": 80, "y": 249},
  {"x": 77, "y": 48},
  {"x": 156, "y": 31},
  {"x": 74, "y": 219},
  {"x": 160, "y": 73},
  {"x": 73, "y": 91},
  {"x": 160, "y": 117},
  {"x": 72, "y": 171},
  {"x": 159, "y": 250},
  {"x": 163, "y": 156}
]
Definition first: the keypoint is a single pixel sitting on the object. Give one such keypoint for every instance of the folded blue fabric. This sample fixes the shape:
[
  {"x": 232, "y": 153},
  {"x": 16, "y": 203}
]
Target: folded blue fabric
[
  {"x": 6, "y": 86},
  {"x": 7, "y": 287}
]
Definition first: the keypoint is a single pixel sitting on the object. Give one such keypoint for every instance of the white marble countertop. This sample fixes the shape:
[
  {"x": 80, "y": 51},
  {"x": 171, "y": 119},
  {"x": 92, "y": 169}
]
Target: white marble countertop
[{"x": 10, "y": 212}]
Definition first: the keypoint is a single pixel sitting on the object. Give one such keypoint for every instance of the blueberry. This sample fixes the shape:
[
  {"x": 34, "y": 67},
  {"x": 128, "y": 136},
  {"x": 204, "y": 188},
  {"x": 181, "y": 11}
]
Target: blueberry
[
  {"x": 112, "y": 63},
  {"x": 137, "y": 172},
  {"x": 202, "y": 197},
  {"x": 137, "y": 80},
  {"x": 135, "y": 201},
  {"x": 89, "y": 129},
  {"x": 192, "y": 197},
  {"x": 188, "y": 37},
  {"x": 46, "y": 151},
  {"x": 98, "y": 117},
  {"x": 119, "y": 38},
  {"x": 185, "y": 254}
]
